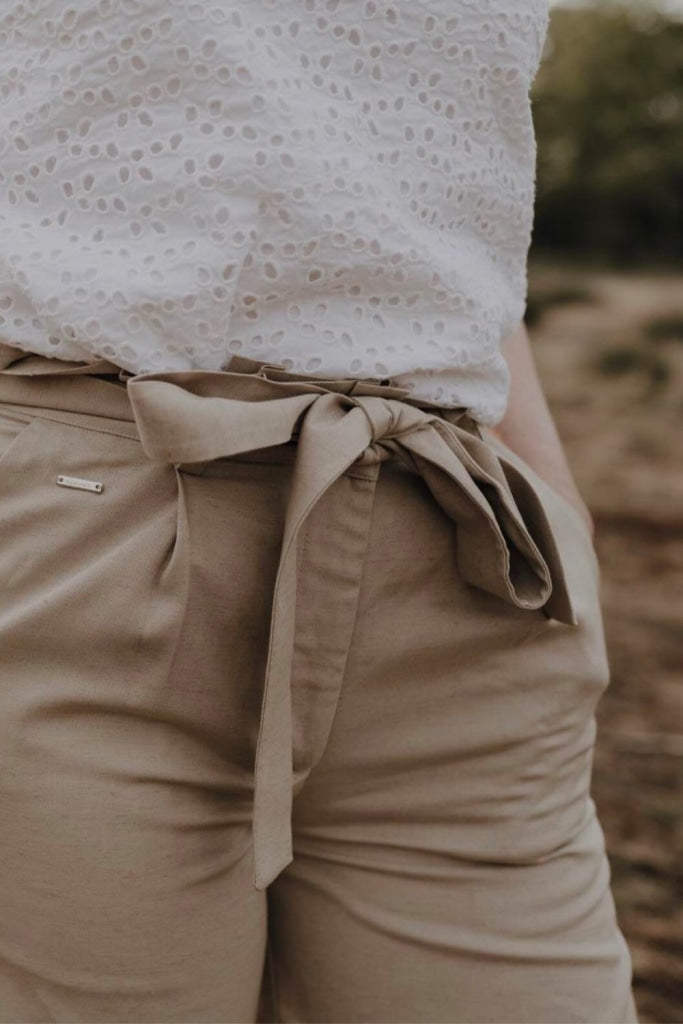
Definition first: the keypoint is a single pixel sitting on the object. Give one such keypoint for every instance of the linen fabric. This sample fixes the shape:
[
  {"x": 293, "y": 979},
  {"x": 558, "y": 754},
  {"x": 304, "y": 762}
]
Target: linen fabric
[
  {"x": 342, "y": 188},
  {"x": 447, "y": 860}
]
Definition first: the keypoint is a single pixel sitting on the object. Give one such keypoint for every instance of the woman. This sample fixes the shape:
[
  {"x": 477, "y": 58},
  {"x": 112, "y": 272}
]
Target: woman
[{"x": 300, "y": 628}]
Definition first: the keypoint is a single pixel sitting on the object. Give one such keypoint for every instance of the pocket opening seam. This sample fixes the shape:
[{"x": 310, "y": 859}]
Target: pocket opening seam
[{"x": 78, "y": 426}]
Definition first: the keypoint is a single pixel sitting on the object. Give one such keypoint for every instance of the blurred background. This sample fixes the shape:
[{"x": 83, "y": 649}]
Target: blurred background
[{"x": 605, "y": 316}]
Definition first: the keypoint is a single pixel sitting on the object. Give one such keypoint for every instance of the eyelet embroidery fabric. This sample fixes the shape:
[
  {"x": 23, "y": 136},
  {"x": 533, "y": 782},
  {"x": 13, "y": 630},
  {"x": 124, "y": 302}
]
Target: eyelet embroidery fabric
[{"x": 340, "y": 186}]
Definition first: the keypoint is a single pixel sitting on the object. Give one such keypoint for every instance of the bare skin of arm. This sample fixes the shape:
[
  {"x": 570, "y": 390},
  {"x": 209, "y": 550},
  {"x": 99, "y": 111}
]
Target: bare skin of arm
[{"x": 528, "y": 427}]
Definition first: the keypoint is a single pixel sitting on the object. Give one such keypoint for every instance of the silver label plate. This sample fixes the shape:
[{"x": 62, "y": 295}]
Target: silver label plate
[{"x": 81, "y": 485}]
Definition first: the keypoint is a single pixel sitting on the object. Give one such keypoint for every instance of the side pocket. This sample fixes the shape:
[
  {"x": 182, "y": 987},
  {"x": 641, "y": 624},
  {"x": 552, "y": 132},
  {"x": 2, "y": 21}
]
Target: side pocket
[
  {"x": 86, "y": 580},
  {"x": 12, "y": 425},
  {"x": 569, "y": 523},
  {"x": 574, "y": 662},
  {"x": 580, "y": 523}
]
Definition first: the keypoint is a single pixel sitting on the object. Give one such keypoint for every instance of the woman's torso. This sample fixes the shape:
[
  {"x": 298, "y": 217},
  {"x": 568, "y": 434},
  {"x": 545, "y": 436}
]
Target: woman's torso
[{"x": 340, "y": 186}]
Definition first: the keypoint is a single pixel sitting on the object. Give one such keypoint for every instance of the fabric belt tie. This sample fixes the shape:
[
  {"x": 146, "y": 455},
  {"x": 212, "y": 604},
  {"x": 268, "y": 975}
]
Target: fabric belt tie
[{"x": 190, "y": 416}]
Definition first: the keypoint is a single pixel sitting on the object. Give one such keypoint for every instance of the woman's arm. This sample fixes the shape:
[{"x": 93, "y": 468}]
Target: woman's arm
[{"x": 528, "y": 427}]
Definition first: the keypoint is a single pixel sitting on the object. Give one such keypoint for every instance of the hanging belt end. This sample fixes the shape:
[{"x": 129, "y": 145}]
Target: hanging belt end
[
  {"x": 272, "y": 831},
  {"x": 560, "y": 605},
  {"x": 269, "y": 862}
]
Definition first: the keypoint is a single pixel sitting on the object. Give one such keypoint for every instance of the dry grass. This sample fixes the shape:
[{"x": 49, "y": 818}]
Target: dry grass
[{"x": 611, "y": 360}]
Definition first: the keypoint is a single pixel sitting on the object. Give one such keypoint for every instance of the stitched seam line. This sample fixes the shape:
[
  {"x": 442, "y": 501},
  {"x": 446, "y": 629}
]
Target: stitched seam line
[{"x": 80, "y": 426}]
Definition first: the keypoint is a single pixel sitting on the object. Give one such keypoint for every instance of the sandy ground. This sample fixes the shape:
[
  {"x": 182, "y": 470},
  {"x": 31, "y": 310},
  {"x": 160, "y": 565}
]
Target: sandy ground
[{"x": 614, "y": 381}]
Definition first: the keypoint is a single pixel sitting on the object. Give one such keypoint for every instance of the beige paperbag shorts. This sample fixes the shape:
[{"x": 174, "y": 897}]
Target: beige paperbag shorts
[{"x": 297, "y": 692}]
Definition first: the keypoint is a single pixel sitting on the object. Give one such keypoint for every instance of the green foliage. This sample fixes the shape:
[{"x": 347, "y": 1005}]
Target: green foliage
[
  {"x": 608, "y": 111},
  {"x": 619, "y": 360},
  {"x": 666, "y": 328},
  {"x": 539, "y": 300}
]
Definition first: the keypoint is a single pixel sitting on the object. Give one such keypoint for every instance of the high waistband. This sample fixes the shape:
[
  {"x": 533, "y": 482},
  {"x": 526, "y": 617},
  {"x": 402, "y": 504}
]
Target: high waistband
[
  {"x": 189, "y": 418},
  {"x": 27, "y": 378}
]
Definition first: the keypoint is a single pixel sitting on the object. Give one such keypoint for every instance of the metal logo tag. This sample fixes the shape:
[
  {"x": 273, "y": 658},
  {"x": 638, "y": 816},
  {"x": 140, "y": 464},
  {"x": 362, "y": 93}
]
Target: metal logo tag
[{"x": 81, "y": 485}]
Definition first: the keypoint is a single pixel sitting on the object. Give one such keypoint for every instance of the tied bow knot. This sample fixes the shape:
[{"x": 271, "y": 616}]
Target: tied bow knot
[
  {"x": 186, "y": 417},
  {"x": 390, "y": 419}
]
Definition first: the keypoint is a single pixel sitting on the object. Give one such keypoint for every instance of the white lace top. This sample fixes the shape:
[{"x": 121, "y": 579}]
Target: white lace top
[{"x": 340, "y": 186}]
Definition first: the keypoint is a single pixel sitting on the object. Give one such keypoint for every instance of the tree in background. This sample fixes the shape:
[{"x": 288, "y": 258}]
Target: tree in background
[{"x": 608, "y": 111}]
